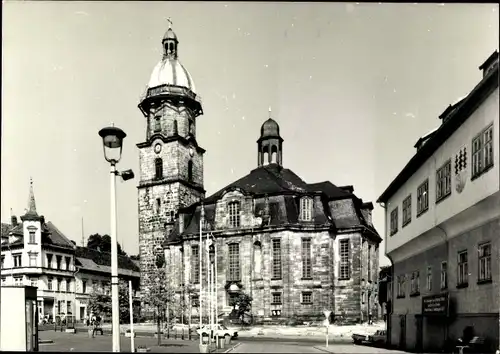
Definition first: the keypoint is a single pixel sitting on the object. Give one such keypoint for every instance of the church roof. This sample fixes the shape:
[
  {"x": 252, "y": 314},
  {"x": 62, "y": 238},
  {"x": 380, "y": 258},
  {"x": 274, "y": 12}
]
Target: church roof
[
  {"x": 279, "y": 190},
  {"x": 274, "y": 179}
]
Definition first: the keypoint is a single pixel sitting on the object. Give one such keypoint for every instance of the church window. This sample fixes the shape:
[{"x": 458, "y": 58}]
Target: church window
[
  {"x": 277, "y": 274},
  {"x": 306, "y": 206},
  {"x": 195, "y": 264},
  {"x": 158, "y": 168},
  {"x": 345, "y": 266},
  {"x": 158, "y": 205},
  {"x": 176, "y": 128},
  {"x": 190, "y": 171},
  {"x": 234, "y": 262},
  {"x": 234, "y": 214},
  {"x": 306, "y": 258},
  {"x": 157, "y": 124}
]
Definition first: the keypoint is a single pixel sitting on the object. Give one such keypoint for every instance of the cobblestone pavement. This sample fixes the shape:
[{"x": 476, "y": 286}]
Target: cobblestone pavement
[
  {"x": 275, "y": 347},
  {"x": 80, "y": 342}
]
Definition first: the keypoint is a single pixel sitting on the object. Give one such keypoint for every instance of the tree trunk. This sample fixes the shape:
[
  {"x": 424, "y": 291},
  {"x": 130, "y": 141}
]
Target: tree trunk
[{"x": 158, "y": 325}]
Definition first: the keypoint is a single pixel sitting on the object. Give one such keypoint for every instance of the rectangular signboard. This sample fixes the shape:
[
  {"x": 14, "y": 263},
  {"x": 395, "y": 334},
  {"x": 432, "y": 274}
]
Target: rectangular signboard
[{"x": 435, "y": 304}]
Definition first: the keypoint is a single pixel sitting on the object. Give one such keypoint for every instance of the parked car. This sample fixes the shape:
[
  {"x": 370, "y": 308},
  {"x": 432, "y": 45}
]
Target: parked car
[
  {"x": 220, "y": 330},
  {"x": 179, "y": 327},
  {"x": 379, "y": 338},
  {"x": 359, "y": 338}
]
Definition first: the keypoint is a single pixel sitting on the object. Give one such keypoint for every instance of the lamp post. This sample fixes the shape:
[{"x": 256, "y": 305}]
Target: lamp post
[
  {"x": 211, "y": 251},
  {"x": 112, "y": 139}
]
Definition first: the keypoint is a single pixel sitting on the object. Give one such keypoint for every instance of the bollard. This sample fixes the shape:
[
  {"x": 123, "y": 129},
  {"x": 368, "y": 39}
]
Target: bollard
[
  {"x": 182, "y": 334},
  {"x": 168, "y": 332}
]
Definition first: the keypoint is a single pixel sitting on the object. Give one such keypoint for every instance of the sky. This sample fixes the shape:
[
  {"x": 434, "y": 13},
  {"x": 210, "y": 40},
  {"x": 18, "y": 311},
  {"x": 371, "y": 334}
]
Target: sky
[{"x": 352, "y": 85}]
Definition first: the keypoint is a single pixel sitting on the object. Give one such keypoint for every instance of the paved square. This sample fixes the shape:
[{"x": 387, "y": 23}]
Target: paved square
[{"x": 80, "y": 342}]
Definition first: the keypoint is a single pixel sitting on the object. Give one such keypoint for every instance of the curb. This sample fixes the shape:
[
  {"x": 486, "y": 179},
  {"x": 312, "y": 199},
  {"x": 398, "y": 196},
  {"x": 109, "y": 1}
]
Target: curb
[
  {"x": 234, "y": 346},
  {"x": 45, "y": 341}
]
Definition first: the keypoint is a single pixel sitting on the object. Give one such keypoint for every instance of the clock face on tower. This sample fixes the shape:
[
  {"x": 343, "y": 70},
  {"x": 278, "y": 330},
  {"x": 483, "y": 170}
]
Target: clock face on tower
[{"x": 157, "y": 148}]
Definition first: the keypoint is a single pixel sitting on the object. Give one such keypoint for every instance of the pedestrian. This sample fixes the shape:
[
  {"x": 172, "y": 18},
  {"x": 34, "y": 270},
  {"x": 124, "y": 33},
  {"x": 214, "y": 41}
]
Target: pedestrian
[{"x": 370, "y": 318}]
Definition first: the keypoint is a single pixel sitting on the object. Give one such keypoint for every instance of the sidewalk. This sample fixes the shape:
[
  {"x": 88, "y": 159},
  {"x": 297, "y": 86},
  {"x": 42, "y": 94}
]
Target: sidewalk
[{"x": 342, "y": 348}]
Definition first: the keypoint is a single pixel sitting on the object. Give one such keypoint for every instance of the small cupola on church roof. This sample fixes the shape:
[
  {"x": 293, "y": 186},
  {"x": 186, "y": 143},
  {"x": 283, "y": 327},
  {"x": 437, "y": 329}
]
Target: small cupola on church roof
[
  {"x": 270, "y": 143},
  {"x": 170, "y": 43},
  {"x": 31, "y": 213}
]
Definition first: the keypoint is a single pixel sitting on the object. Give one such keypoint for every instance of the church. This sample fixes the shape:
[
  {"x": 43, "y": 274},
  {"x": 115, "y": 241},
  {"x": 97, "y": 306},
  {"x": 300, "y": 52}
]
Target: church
[{"x": 296, "y": 248}]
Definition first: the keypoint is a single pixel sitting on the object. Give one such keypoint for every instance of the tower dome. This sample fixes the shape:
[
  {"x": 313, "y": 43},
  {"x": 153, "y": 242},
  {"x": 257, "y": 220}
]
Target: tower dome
[
  {"x": 169, "y": 70},
  {"x": 170, "y": 79},
  {"x": 270, "y": 128}
]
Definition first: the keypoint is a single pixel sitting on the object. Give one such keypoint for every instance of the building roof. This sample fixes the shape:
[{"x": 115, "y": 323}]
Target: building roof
[
  {"x": 276, "y": 193},
  {"x": 453, "y": 121},
  {"x": 51, "y": 235},
  {"x": 94, "y": 260}
]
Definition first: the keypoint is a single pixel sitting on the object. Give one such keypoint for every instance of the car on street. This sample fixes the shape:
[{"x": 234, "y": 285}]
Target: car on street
[
  {"x": 378, "y": 338},
  {"x": 179, "y": 327},
  {"x": 220, "y": 330},
  {"x": 359, "y": 338}
]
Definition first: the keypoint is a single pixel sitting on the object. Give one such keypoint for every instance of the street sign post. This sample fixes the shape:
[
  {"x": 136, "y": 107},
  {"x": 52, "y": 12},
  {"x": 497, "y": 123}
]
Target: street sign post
[{"x": 327, "y": 314}]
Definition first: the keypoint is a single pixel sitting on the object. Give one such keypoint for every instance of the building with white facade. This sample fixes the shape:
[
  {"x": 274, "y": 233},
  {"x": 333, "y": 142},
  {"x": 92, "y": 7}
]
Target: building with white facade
[
  {"x": 36, "y": 253},
  {"x": 442, "y": 216}
]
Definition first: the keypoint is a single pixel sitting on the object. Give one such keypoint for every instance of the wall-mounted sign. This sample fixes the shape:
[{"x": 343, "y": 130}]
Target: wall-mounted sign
[{"x": 435, "y": 304}]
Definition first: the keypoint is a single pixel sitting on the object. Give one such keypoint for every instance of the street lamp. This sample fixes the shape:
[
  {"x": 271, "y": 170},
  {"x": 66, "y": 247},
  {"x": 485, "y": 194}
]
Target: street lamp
[
  {"x": 112, "y": 140},
  {"x": 211, "y": 253}
]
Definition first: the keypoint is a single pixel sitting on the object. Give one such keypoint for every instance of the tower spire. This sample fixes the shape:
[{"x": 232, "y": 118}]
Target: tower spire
[
  {"x": 269, "y": 112},
  {"x": 31, "y": 201},
  {"x": 169, "y": 22},
  {"x": 31, "y": 213}
]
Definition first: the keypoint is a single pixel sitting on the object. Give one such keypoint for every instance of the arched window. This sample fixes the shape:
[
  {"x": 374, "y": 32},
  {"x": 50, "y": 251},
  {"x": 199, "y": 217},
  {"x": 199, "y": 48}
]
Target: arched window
[
  {"x": 234, "y": 214},
  {"x": 274, "y": 154},
  {"x": 306, "y": 207},
  {"x": 158, "y": 168},
  {"x": 176, "y": 129},
  {"x": 190, "y": 171},
  {"x": 157, "y": 124}
]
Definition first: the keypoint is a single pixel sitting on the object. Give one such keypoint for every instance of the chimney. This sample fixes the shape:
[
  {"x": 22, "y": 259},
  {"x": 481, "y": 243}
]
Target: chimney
[
  {"x": 13, "y": 220},
  {"x": 489, "y": 64}
]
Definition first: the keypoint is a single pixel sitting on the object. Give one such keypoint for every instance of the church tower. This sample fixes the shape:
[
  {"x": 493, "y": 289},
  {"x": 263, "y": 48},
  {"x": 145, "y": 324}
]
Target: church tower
[{"x": 171, "y": 162}]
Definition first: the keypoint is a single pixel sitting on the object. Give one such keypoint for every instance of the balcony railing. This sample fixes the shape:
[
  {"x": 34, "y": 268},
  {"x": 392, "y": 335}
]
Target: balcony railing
[{"x": 170, "y": 90}]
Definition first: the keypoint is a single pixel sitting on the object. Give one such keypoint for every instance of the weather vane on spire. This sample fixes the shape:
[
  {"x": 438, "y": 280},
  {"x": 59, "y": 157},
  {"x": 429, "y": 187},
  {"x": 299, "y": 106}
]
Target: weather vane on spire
[
  {"x": 169, "y": 22},
  {"x": 269, "y": 111}
]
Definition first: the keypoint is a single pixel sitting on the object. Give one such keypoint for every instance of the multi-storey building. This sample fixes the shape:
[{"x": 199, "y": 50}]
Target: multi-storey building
[
  {"x": 443, "y": 226},
  {"x": 297, "y": 248},
  {"x": 36, "y": 253}
]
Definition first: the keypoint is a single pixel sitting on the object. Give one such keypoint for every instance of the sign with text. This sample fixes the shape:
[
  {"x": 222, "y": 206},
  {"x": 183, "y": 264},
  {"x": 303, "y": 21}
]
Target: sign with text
[{"x": 435, "y": 304}]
